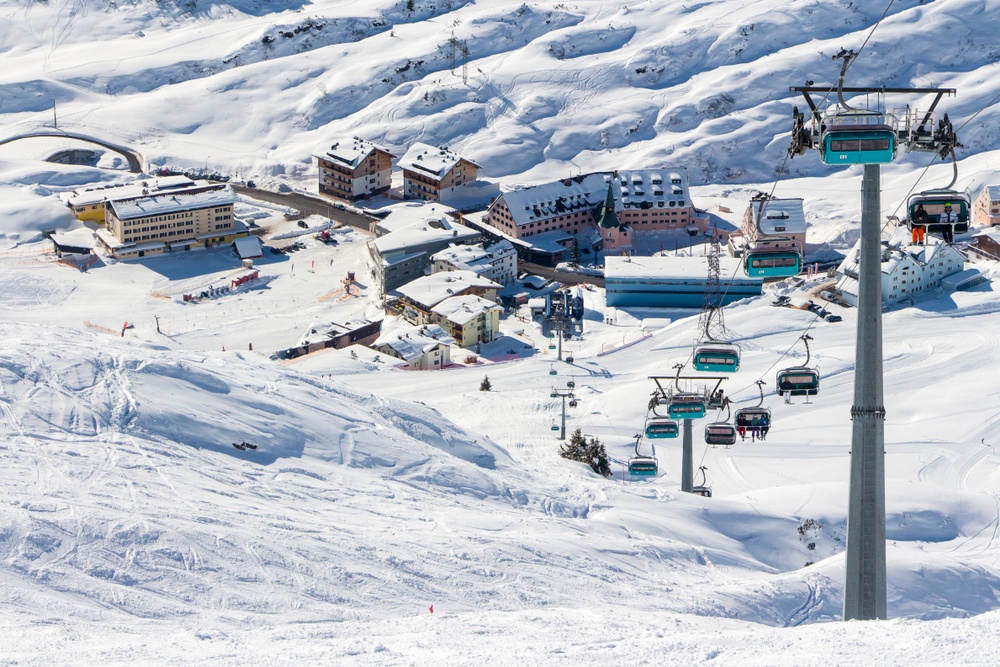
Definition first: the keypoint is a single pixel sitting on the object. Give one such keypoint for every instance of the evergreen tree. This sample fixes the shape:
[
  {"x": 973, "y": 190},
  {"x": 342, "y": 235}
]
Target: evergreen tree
[
  {"x": 592, "y": 453},
  {"x": 409, "y": 5},
  {"x": 574, "y": 450},
  {"x": 597, "y": 457},
  {"x": 574, "y": 254},
  {"x": 485, "y": 385}
]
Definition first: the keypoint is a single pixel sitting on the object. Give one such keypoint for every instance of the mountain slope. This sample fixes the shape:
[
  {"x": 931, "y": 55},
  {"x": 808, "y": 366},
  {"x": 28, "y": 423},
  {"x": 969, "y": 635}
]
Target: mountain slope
[{"x": 253, "y": 88}]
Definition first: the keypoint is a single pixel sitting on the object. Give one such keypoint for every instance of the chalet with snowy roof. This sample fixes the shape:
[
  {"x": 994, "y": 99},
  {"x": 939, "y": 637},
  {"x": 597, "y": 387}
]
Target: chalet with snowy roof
[
  {"x": 354, "y": 169},
  {"x": 469, "y": 319},
  {"x": 781, "y": 221},
  {"x": 88, "y": 203},
  {"x": 167, "y": 221},
  {"x": 908, "y": 270},
  {"x": 986, "y": 207},
  {"x": 422, "y": 348},
  {"x": 986, "y": 244},
  {"x": 669, "y": 281},
  {"x": 76, "y": 244},
  {"x": 498, "y": 262},
  {"x": 408, "y": 237},
  {"x": 434, "y": 174},
  {"x": 336, "y": 335},
  {"x": 421, "y": 295}
]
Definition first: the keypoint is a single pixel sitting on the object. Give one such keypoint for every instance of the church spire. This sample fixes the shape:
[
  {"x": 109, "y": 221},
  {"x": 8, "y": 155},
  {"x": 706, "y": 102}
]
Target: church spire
[{"x": 606, "y": 217}]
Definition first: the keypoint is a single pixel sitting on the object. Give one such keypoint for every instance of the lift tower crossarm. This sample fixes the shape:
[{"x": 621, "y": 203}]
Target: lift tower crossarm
[
  {"x": 669, "y": 379},
  {"x": 824, "y": 90}
]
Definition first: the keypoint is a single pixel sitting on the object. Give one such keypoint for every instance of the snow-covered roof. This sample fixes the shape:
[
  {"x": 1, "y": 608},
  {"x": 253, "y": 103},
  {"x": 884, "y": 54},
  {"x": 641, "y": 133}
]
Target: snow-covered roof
[
  {"x": 966, "y": 277},
  {"x": 681, "y": 267},
  {"x": 248, "y": 247},
  {"x": 782, "y": 216},
  {"x": 462, "y": 256},
  {"x": 323, "y": 331},
  {"x": 351, "y": 152},
  {"x": 77, "y": 238},
  {"x": 540, "y": 202},
  {"x": 97, "y": 194},
  {"x": 430, "y": 160},
  {"x": 473, "y": 257},
  {"x": 410, "y": 226},
  {"x": 435, "y": 288},
  {"x": 162, "y": 203},
  {"x": 408, "y": 213},
  {"x": 109, "y": 240},
  {"x": 412, "y": 342},
  {"x": 655, "y": 187},
  {"x": 991, "y": 232},
  {"x": 463, "y": 309},
  {"x": 551, "y": 241},
  {"x": 534, "y": 282},
  {"x": 847, "y": 285},
  {"x": 992, "y": 192}
]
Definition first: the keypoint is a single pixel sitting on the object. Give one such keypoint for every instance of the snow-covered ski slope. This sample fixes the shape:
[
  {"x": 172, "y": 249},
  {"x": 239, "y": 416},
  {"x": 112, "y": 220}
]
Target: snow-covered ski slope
[
  {"x": 131, "y": 531},
  {"x": 130, "y": 528}
]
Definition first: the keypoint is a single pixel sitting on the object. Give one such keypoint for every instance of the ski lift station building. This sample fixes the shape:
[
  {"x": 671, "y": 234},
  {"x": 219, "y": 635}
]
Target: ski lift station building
[{"x": 669, "y": 281}]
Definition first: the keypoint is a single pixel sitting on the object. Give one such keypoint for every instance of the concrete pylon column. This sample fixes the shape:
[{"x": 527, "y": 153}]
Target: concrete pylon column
[{"x": 865, "y": 585}]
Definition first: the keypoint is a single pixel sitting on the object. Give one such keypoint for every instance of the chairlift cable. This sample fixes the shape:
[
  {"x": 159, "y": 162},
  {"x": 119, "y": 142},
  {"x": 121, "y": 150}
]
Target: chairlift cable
[
  {"x": 783, "y": 355},
  {"x": 981, "y": 109},
  {"x": 870, "y": 33},
  {"x": 704, "y": 454}
]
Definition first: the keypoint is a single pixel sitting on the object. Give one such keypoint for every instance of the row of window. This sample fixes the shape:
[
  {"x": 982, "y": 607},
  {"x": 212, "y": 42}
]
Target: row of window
[
  {"x": 417, "y": 178},
  {"x": 160, "y": 218},
  {"x": 147, "y": 237},
  {"x": 153, "y": 228},
  {"x": 423, "y": 188},
  {"x": 659, "y": 204},
  {"x": 336, "y": 178}
]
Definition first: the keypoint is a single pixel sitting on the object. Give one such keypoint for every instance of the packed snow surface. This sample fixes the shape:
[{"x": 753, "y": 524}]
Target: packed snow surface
[{"x": 391, "y": 517}]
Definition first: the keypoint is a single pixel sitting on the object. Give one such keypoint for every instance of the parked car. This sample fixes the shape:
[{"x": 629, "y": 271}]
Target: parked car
[
  {"x": 303, "y": 224},
  {"x": 833, "y": 318}
]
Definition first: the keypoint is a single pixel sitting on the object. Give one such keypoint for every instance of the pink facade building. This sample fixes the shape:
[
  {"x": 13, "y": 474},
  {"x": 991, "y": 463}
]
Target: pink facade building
[{"x": 612, "y": 204}]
